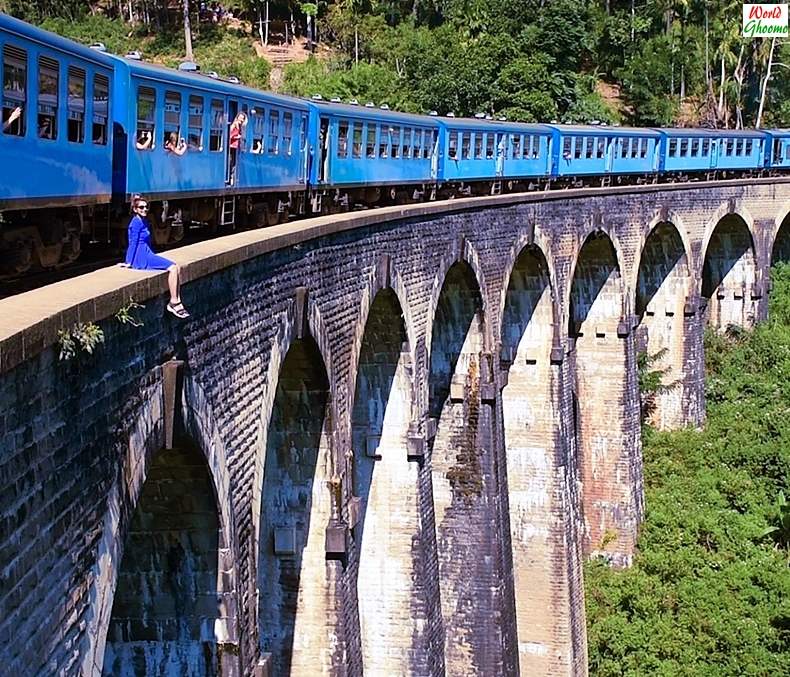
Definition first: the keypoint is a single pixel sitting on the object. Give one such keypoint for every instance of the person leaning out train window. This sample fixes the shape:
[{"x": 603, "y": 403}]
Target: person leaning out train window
[
  {"x": 145, "y": 139},
  {"x": 235, "y": 135},
  {"x": 175, "y": 145},
  {"x": 140, "y": 256},
  {"x": 13, "y": 117}
]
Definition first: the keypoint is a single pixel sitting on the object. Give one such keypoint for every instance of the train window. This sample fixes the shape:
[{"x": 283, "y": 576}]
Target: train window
[
  {"x": 430, "y": 140},
  {"x": 694, "y": 148},
  {"x": 216, "y": 123},
  {"x": 274, "y": 135},
  {"x": 673, "y": 147},
  {"x": 195, "y": 121},
  {"x": 76, "y": 103},
  {"x": 383, "y": 143},
  {"x": 288, "y": 133},
  {"x": 416, "y": 151},
  {"x": 342, "y": 139},
  {"x": 302, "y": 134},
  {"x": 452, "y": 148},
  {"x": 356, "y": 139},
  {"x": 407, "y": 142},
  {"x": 47, "y": 120},
  {"x": 146, "y": 105},
  {"x": 370, "y": 146},
  {"x": 601, "y": 148},
  {"x": 748, "y": 147},
  {"x": 14, "y": 90},
  {"x": 705, "y": 146},
  {"x": 515, "y": 142},
  {"x": 684, "y": 147},
  {"x": 630, "y": 146},
  {"x": 172, "y": 131},
  {"x": 737, "y": 147},
  {"x": 566, "y": 148},
  {"x": 466, "y": 145},
  {"x": 730, "y": 147},
  {"x": 643, "y": 148},
  {"x": 489, "y": 146},
  {"x": 478, "y": 143},
  {"x": 101, "y": 104},
  {"x": 258, "y": 131},
  {"x": 787, "y": 152},
  {"x": 395, "y": 141},
  {"x": 589, "y": 148},
  {"x": 578, "y": 143}
]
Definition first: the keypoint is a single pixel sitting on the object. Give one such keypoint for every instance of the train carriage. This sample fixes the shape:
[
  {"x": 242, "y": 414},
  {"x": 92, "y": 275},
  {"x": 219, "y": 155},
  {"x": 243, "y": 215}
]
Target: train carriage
[
  {"x": 55, "y": 143},
  {"x": 361, "y": 149},
  {"x": 157, "y": 107},
  {"x": 685, "y": 151},
  {"x": 777, "y": 148},
  {"x": 581, "y": 151},
  {"x": 488, "y": 151}
]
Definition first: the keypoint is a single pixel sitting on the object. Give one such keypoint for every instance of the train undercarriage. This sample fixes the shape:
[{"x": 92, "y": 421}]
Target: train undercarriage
[{"x": 52, "y": 238}]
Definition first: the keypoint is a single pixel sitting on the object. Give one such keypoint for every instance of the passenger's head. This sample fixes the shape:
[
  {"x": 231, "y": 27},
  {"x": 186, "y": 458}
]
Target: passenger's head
[
  {"x": 173, "y": 138},
  {"x": 140, "y": 205},
  {"x": 241, "y": 119}
]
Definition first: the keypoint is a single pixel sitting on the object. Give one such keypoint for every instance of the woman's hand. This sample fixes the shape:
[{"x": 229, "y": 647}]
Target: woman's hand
[{"x": 124, "y": 265}]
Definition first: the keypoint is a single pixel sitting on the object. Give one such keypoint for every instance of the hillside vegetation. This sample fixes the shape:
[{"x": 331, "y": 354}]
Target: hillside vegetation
[
  {"x": 709, "y": 592},
  {"x": 673, "y": 62}
]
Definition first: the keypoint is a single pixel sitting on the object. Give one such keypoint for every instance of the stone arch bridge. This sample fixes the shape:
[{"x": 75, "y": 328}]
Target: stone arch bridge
[{"x": 383, "y": 444}]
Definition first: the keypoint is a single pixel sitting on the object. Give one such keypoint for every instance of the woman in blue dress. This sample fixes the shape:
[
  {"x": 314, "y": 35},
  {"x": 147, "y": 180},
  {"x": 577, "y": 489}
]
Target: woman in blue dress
[{"x": 139, "y": 255}]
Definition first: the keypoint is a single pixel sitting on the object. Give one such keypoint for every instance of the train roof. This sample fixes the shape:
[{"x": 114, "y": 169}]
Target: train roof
[
  {"x": 776, "y": 132},
  {"x": 157, "y": 72},
  {"x": 604, "y": 130},
  {"x": 369, "y": 112},
  {"x": 710, "y": 133},
  {"x": 483, "y": 123},
  {"x": 53, "y": 41}
]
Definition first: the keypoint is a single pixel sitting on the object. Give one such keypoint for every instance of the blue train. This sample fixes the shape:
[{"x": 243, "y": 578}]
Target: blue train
[{"x": 84, "y": 130}]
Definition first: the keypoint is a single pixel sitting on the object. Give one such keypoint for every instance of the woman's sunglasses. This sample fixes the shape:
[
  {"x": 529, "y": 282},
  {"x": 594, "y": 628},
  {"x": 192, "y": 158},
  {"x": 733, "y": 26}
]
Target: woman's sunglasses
[{"x": 143, "y": 207}]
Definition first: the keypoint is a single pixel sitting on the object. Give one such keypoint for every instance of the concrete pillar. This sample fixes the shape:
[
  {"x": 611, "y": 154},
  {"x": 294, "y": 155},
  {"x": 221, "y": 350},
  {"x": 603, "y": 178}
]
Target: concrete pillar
[
  {"x": 464, "y": 484},
  {"x": 536, "y": 468},
  {"x": 297, "y": 611},
  {"x": 387, "y": 531},
  {"x": 606, "y": 404},
  {"x": 667, "y": 335}
]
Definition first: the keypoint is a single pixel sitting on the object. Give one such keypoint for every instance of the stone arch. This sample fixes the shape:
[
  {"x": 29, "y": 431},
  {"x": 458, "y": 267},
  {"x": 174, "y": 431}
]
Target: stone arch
[
  {"x": 618, "y": 258},
  {"x": 780, "y": 246},
  {"x": 538, "y": 241},
  {"x": 602, "y": 362},
  {"x": 143, "y": 448},
  {"x": 295, "y": 507},
  {"x": 386, "y": 537},
  {"x": 537, "y": 505},
  {"x": 461, "y": 252},
  {"x": 665, "y": 308},
  {"x": 729, "y": 272}
]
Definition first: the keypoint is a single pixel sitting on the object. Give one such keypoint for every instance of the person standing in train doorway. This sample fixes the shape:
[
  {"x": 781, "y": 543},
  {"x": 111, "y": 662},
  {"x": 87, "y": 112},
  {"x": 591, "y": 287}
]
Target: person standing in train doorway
[
  {"x": 235, "y": 136},
  {"x": 140, "y": 256}
]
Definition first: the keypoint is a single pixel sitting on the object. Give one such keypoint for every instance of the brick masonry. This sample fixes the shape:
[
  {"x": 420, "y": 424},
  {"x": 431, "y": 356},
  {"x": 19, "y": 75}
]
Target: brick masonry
[{"x": 413, "y": 424}]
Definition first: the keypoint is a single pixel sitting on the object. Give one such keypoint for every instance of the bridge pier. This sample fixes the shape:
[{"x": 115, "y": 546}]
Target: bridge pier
[{"x": 606, "y": 403}]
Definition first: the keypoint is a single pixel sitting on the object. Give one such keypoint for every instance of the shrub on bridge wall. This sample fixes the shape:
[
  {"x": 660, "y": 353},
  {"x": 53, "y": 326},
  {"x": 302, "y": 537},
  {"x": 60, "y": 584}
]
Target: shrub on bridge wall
[{"x": 709, "y": 590}]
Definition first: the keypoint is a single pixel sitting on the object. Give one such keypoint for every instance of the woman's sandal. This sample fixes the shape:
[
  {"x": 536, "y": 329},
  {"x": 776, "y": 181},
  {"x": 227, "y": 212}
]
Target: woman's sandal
[{"x": 178, "y": 310}]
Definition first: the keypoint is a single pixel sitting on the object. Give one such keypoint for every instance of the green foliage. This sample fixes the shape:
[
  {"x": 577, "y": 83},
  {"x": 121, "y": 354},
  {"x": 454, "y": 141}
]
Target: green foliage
[
  {"x": 82, "y": 336},
  {"x": 126, "y": 314},
  {"x": 708, "y": 593}
]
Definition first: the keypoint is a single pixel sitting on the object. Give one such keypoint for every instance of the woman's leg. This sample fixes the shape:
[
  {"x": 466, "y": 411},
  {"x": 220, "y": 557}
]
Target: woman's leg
[{"x": 173, "y": 283}]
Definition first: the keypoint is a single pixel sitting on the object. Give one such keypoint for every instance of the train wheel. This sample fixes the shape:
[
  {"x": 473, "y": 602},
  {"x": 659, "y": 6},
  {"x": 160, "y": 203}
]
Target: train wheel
[{"x": 17, "y": 256}]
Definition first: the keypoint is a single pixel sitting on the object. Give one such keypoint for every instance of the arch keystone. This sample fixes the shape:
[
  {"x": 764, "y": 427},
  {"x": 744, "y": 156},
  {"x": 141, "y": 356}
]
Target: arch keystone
[{"x": 384, "y": 271}]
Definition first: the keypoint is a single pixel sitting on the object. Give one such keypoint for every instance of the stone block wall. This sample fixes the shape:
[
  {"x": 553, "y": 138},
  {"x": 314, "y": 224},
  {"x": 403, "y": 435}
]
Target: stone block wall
[{"x": 509, "y": 438}]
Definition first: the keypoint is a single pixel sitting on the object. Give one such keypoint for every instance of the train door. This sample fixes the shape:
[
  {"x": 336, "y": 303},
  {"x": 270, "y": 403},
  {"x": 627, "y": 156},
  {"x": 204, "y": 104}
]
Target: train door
[
  {"x": 611, "y": 147},
  {"x": 231, "y": 154},
  {"x": 500, "y": 153},
  {"x": 435, "y": 135},
  {"x": 323, "y": 142},
  {"x": 714, "y": 153}
]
